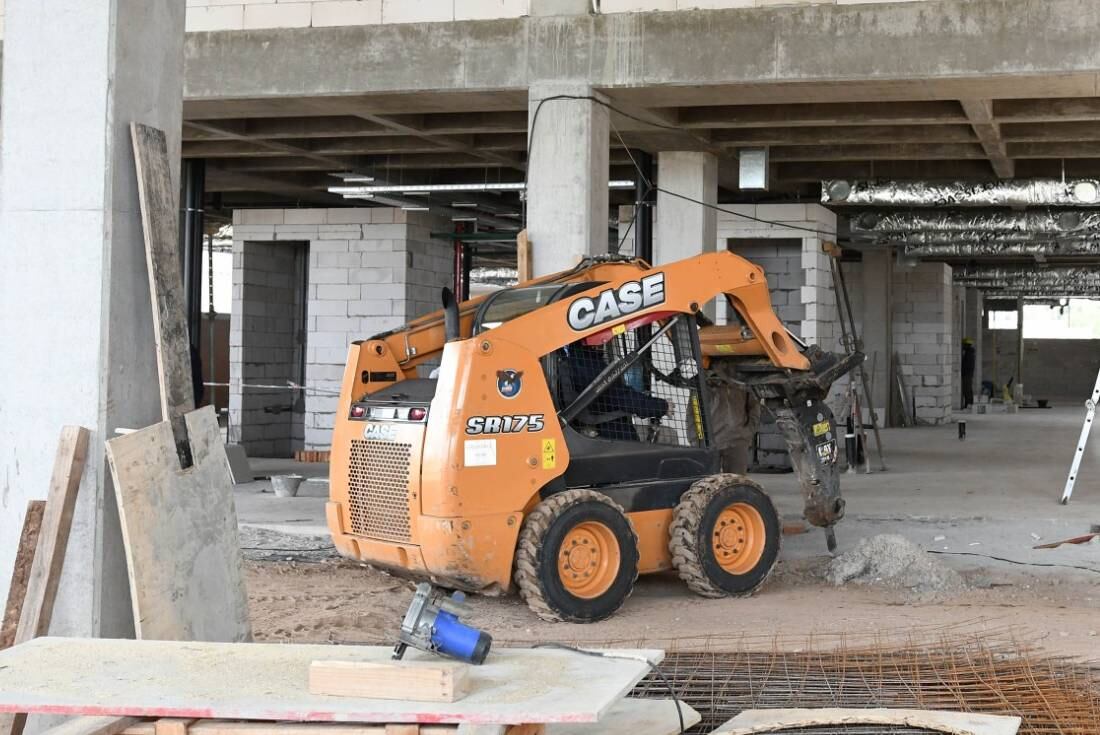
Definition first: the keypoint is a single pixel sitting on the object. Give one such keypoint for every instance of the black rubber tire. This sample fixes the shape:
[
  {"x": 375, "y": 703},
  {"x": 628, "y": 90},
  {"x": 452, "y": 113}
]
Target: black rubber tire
[
  {"x": 540, "y": 539},
  {"x": 690, "y": 536}
]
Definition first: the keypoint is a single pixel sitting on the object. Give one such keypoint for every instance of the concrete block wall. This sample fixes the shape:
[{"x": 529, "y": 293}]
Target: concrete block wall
[
  {"x": 370, "y": 270},
  {"x": 817, "y": 322},
  {"x": 265, "y": 345},
  {"x": 781, "y": 260},
  {"x": 1059, "y": 370},
  {"x": 225, "y": 15},
  {"x": 923, "y": 331}
]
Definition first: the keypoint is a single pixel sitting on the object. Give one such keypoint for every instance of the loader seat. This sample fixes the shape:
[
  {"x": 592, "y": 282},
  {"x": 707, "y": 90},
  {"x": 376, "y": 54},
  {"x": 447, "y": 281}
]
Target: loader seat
[{"x": 612, "y": 413}]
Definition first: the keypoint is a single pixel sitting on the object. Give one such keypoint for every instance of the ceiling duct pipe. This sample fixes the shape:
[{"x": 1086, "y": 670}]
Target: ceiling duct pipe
[
  {"x": 1008, "y": 193},
  {"x": 1022, "y": 249},
  {"x": 1054, "y": 272},
  {"x": 1029, "y": 286},
  {"x": 1041, "y": 222},
  {"x": 975, "y": 238}
]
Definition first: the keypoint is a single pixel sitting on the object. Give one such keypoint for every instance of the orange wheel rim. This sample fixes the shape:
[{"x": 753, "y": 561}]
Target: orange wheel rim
[
  {"x": 738, "y": 538},
  {"x": 588, "y": 561}
]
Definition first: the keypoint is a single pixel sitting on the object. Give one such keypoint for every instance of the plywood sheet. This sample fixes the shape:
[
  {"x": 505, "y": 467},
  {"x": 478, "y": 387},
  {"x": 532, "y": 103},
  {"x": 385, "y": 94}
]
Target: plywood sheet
[
  {"x": 180, "y": 531},
  {"x": 954, "y": 723},
  {"x": 159, "y": 201},
  {"x": 254, "y": 681},
  {"x": 635, "y": 717}
]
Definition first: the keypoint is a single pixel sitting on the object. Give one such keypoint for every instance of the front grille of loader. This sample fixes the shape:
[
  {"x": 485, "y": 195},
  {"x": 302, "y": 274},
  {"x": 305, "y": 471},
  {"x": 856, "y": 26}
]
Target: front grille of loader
[{"x": 378, "y": 490}]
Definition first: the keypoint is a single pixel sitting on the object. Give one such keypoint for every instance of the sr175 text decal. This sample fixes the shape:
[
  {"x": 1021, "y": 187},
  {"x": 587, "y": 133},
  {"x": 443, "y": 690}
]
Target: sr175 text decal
[{"x": 504, "y": 424}]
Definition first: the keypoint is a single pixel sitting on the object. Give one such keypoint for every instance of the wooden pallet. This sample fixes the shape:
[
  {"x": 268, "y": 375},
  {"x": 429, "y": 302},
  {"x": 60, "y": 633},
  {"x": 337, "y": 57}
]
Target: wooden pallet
[{"x": 312, "y": 455}]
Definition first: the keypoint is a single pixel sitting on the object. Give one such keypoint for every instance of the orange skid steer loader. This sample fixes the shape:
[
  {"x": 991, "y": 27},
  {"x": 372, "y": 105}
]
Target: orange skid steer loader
[{"x": 563, "y": 444}]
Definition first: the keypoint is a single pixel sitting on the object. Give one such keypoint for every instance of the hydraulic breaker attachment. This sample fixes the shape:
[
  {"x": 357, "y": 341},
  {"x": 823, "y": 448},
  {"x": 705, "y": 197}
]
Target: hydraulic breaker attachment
[
  {"x": 797, "y": 402},
  {"x": 811, "y": 436}
]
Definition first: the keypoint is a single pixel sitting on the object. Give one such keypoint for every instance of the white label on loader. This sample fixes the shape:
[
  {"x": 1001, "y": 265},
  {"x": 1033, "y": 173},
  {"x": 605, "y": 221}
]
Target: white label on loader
[{"x": 481, "y": 452}]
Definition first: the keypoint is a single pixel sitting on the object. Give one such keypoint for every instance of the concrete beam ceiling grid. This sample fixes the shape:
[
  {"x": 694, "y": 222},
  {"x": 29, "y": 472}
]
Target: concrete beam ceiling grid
[{"x": 978, "y": 89}]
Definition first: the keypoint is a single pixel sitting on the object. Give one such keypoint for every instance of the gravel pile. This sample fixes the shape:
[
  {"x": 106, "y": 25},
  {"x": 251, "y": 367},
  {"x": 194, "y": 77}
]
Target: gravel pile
[{"x": 894, "y": 562}]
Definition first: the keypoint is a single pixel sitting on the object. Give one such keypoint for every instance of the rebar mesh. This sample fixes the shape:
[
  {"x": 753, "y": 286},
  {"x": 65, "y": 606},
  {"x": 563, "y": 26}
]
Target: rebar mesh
[{"x": 1053, "y": 695}]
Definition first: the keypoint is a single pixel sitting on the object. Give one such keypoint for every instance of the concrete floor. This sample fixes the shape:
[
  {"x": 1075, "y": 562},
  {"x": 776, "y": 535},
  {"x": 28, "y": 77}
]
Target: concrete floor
[{"x": 985, "y": 495}]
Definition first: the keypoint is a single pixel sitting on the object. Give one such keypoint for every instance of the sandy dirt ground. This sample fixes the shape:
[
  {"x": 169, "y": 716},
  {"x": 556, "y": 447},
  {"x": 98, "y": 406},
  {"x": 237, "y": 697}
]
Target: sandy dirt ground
[{"x": 338, "y": 601}]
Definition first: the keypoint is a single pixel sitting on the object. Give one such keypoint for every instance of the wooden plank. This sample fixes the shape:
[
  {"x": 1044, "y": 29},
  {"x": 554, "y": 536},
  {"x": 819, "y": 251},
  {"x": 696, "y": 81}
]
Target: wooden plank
[
  {"x": 142, "y": 678},
  {"x": 524, "y": 268},
  {"x": 20, "y": 575},
  {"x": 636, "y": 717},
  {"x": 420, "y": 681},
  {"x": 49, "y": 554},
  {"x": 159, "y": 200},
  {"x": 954, "y": 723},
  {"x": 229, "y": 727},
  {"x": 49, "y": 551},
  {"x": 179, "y": 528},
  {"x": 171, "y": 726},
  {"x": 93, "y": 726}
]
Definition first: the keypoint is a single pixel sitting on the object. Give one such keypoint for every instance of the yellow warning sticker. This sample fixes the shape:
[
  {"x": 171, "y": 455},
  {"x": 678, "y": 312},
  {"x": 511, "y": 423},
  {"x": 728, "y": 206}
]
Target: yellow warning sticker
[
  {"x": 821, "y": 428},
  {"x": 618, "y": 329},
  {"x": 726, "y": 349},
  {"x": 549, "y": 454}
]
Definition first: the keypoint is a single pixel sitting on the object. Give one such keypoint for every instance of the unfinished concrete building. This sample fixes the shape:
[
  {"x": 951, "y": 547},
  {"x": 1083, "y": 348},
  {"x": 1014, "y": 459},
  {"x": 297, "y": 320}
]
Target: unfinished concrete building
[{"x": 367, "y": 153}]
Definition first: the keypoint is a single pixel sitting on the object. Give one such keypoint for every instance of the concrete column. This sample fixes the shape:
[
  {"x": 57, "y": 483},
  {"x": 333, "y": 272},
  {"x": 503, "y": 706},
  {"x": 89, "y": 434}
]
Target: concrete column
[
  {"x": 684, "y": 228},
  {"x": 973, "y": 327},
  {"x": 75, "y": 75},
  {"x": 875, "y": 285},
  {"x": 567, "y": 201}
]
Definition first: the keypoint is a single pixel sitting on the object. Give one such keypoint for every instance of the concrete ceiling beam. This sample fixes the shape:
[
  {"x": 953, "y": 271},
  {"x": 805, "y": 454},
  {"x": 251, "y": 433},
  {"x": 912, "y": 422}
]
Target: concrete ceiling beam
[
  {"x": 1090, "y": 149},
  {"x": 930, "y": 170},
  {"x": 222, "y": 180},
  {"x": 1047, "y": 110},
  {"x": 686, "y": 51},
  {"x": 475, "y": 122},
  {"x": 980, "y": 114},
  {"x": 886, "y": 134},
  {"x": 879, "y": 152},
  {"x": 1051, "y": 131},
  {"x": 931, "y": 112}
]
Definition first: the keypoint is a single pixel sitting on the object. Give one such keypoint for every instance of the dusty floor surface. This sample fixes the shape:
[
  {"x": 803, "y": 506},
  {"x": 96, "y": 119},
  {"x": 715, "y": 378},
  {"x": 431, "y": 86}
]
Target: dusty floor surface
[{"x": 990, "y": 495}]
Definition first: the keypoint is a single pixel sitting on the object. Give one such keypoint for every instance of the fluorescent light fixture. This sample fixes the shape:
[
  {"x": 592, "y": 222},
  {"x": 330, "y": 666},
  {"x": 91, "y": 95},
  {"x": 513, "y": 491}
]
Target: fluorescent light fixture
[
  {"x": 464, "y": 205},
  {"x": 463, "y": 219},
  {"x": 426, "y": 189},
  {"x": 355, "y": 178},
  {"x": 411, "y": 208}
]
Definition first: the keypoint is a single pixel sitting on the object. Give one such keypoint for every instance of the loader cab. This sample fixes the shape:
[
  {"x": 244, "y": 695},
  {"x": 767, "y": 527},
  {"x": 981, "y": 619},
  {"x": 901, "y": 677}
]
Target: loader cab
[{"x": 642, "y": 436}]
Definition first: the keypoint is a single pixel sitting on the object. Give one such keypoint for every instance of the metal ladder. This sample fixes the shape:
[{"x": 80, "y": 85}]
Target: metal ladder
[
  {"x": 1090, "y": 405},
  {"x": 852, "y": 342}
]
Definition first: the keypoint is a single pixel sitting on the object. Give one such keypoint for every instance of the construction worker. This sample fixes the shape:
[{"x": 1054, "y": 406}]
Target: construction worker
[
  {"x": 736, "y": 417},
  {"x": 969, "y": 359}
]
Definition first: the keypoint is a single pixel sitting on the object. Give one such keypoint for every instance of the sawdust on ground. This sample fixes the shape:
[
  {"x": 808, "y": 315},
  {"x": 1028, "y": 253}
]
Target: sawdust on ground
[{"x": 341, "y": 601}]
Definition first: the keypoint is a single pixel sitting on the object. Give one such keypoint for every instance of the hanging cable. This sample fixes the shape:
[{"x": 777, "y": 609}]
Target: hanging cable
[{"x": 636, "y": 118}]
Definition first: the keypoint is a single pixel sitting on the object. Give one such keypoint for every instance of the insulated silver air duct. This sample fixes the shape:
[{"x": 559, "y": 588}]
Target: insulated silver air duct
[
  {"x": 1010, "y": 193},
  {"x": 975, "y": 237},
  {"x": 1049, "y": 273},
  {"x": 1030, "y": 249},
  {"x": 494, "y": 276},
  {"x": 1042, "y": 222},
  {"x": 1021, "y": 285}
]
